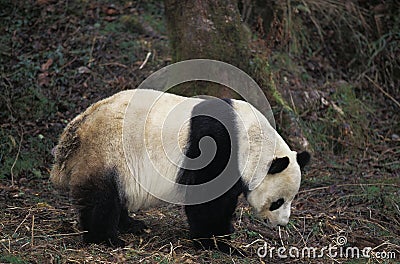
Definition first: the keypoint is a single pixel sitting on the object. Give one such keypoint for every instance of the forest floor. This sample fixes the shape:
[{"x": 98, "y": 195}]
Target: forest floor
[{"x": 58, "y": 57}]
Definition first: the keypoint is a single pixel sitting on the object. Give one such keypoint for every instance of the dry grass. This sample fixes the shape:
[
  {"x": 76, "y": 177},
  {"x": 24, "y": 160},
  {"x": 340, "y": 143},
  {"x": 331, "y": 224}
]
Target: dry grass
[
  {"x": 39, "y": 226},
  {"x": 354, "y": 193},
  {"x": 359, "y": 39}
]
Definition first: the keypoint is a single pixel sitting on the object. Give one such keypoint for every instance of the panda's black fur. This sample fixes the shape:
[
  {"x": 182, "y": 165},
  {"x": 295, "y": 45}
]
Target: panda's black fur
[
  {"x": 95, "y": 182},
  {"x": 102, "y": 213},
  {"x": 213, "y": 218}
]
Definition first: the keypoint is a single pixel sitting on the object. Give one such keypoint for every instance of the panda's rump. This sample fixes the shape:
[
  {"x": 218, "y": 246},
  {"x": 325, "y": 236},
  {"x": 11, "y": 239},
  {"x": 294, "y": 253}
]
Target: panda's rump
[{"x": 87, "y": 142}]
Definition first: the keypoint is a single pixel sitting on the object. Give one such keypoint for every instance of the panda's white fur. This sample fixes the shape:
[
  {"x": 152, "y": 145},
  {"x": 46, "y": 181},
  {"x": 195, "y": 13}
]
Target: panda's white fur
[
  {"x": 281, "y": 185},
  {"x": 155, "y": 150},
  {"x": 120, "y": 130},
  {"x": 263, "y": 139}
]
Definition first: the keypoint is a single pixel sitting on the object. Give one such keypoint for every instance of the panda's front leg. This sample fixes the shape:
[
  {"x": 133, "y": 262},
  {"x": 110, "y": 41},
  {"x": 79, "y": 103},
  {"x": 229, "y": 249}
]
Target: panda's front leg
[{"x": 211, "y": 223}]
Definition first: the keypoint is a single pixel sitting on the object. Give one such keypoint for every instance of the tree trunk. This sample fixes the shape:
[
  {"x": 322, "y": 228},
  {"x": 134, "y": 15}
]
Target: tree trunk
[
  {"x": 212, "y": 29},
  {"x": 207, "y": 29}
]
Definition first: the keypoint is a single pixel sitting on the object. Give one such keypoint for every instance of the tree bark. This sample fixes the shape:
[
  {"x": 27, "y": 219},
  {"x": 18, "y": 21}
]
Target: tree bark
[
  {"x": 207, "y": 29},
  {"x": 212, "y": 29}
]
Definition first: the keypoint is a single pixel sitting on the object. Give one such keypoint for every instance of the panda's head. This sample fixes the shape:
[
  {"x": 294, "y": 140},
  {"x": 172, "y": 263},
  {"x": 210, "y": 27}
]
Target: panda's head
[{"x": 273, "y": 197}]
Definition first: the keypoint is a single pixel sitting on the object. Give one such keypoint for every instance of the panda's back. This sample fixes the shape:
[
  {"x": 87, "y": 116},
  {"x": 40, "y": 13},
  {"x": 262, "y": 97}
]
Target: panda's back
[
  {"x": 124, "y": 133},
  {"x": 154, "y": 136}
]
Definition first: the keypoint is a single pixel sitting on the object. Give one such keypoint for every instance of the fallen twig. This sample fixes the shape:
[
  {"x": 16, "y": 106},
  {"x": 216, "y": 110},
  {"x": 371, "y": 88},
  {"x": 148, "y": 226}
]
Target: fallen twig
[
  {"x": 349, "y": 184},
  {"x": 114, "y": 64},
  {"x": 145, "y": 60},
  {"x": 383, "y": 91},
  {"x": 42, "y": 236},
  {"x": 16, "y": 159},
  {"x": 15, "y": 231}
]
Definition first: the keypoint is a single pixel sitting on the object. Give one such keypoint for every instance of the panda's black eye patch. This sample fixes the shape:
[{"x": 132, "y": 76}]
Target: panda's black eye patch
[{"x": 275, "y": 205}]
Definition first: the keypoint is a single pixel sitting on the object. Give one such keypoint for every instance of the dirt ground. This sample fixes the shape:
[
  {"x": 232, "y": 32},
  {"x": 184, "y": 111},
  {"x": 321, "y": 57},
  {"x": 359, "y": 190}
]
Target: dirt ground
[{"x": 58, "y": 57}]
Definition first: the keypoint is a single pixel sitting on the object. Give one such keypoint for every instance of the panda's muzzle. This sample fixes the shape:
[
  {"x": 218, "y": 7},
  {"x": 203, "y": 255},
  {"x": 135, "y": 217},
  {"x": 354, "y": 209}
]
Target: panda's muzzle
[{"x": 276, "y": 224}]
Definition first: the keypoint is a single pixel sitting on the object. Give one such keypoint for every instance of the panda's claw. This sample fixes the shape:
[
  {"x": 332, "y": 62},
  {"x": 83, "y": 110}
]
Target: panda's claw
[
  {"x": 115, "y": 242},
  {"x": 223, "y": 246},
  {"x": 132, "y": 226},
  {"x": 128, "y": 225}
]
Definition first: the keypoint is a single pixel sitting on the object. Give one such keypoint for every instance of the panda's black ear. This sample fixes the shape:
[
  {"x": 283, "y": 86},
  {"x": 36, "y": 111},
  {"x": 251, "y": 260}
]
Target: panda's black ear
[
  {"x": 278, "y": 165},
  {"x": 303, "y": 158}
]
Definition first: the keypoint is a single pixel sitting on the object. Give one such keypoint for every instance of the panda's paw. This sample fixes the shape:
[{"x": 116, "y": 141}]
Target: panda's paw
[
  {"x": 221, "y": 245},
  {"x": 112, "y": 241},
  {"x": 228, "y": 249},
  {"x": 115, "y": 242},
  {"x": 133, "y": 226}
]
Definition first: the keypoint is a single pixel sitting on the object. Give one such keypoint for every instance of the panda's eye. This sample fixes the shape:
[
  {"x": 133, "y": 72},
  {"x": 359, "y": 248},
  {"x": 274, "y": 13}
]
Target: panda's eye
[{"x": 275, "y": 205}]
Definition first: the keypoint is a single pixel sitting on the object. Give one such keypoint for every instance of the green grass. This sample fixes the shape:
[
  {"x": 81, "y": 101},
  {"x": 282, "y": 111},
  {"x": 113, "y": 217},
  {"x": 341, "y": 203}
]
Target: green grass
[
  {"x": 29, "y": 101},
  {"x": 21, "y": 157},
  {"x": 129, "y": 49},
  {"x": 12, "y": 259},
  {"x": 342, "y": 126}
]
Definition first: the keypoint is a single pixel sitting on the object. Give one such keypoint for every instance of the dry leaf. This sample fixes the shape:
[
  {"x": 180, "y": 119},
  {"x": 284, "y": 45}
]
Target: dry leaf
[
  {"x": 42, "y": 2},
  {"x": 324, "y": 101},
  {"x": 83, "y": 69},
  {"x": 46, "y": 65},
  {"x": 111, "y": 11},
  {"x": 43, "y": 79},
  {"x": 110, "y": 18}
]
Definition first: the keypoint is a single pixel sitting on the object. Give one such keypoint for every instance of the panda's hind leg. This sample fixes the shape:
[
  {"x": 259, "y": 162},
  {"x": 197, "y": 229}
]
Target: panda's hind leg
[
  {"x": 129, "y": 225},
  {"x": 99, "y": 207}
]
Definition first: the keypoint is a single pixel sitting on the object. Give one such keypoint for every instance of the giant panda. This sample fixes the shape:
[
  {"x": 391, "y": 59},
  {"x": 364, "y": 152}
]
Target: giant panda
[{"x": 137, "y": 148}]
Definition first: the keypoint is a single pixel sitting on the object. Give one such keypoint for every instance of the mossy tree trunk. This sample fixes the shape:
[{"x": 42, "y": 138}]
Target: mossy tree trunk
[
  {"x": 207, "y": 29},
  {"x": 212, "y": 29}
]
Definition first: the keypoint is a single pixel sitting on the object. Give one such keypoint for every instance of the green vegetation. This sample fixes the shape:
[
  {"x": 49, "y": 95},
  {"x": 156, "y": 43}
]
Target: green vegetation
[
  {"x": 41, "y": 68},
  {"x": 342, "y": 124},
  {"x": 12, "y": 259},
  {"x": 332, "y": 66}
]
